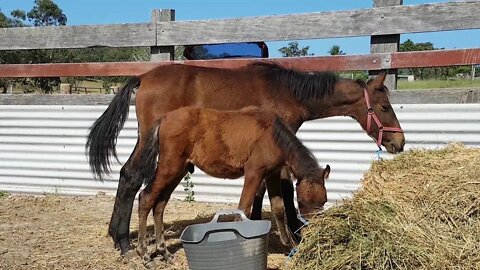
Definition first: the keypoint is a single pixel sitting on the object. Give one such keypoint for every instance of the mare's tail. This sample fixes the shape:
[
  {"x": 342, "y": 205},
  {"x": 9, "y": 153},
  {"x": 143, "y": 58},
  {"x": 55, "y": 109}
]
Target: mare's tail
[{"x": 104, "y": 132}]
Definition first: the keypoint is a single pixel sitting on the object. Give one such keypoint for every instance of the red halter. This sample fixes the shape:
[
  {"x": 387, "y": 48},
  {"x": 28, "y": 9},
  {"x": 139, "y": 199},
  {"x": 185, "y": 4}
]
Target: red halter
[{"x": 372, "y": 114}]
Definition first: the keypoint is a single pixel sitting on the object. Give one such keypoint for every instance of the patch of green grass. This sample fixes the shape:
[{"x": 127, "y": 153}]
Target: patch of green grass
[
  {"x": 3, "y": 194},
  {"x": 435, "y": 84},
  {"x": 55, "y": 191}
]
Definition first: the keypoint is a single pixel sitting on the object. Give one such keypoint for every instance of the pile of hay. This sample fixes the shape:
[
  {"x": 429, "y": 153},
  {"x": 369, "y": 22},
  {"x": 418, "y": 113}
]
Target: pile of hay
[{"x": 420, "y": 210}]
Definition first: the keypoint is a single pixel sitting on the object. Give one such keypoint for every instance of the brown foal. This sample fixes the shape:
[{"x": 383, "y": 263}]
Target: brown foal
[{"x": 226, "y": 144}]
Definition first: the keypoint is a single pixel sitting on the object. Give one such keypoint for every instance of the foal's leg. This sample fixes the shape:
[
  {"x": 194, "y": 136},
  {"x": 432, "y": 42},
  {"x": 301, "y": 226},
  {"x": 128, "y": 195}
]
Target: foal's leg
[
  {"x": 145, "y": 203},
  {"x": 253, "y": 178},
  {"x": 170, "y": 170},
  {"x": 287, "y": 194},
  {"x": 278, "y": 210},
  {"x": 158, "y": 212}
]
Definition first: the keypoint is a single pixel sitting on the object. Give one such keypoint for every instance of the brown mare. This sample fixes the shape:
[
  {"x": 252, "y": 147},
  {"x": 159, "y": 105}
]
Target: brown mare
[
  {"x": 295, "y": 96},
  {"x": 225, "y": 144}
]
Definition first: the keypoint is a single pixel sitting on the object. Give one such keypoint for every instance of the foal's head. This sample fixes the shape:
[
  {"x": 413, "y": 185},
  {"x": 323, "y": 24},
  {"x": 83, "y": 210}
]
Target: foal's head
[
  {"x": 376, "y": 116},
  {"x": 311, "y": 192}
]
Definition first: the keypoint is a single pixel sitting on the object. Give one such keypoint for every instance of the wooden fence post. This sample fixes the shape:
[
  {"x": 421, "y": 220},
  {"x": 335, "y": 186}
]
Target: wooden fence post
[
  {"x": 162, "y": 53},
  {"x": 386, "y": 44}
]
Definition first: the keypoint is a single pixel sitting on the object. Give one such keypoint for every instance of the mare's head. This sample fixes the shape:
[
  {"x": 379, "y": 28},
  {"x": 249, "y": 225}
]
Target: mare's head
[
  {"x": 376, "y": 116},
  {"x": 311, "y": 192}
]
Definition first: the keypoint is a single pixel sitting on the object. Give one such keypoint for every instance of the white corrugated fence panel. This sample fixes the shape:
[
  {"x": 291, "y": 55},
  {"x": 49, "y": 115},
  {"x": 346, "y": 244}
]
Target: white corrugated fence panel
[{"x": 42, "y": 148}]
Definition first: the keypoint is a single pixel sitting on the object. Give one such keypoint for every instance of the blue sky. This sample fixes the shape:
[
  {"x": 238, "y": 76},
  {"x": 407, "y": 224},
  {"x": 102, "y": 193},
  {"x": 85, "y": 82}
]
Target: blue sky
[{"x": 132, "y": 11}]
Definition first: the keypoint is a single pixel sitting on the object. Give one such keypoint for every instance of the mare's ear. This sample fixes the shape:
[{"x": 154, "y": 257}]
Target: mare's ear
[
  {"x": 377, "y": 83},
  {"x": 326, "y": 172}
]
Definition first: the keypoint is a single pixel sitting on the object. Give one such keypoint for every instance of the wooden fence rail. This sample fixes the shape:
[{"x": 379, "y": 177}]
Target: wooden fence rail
[{"x": 362, "y": 22}]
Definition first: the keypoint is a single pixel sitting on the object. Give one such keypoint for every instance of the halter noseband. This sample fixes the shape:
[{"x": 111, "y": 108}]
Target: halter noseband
[{"x": 381, "y": 128}]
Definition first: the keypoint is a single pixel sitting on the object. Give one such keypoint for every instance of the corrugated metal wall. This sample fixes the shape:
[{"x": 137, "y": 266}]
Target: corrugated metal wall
[{"x": 42, "y": 148}]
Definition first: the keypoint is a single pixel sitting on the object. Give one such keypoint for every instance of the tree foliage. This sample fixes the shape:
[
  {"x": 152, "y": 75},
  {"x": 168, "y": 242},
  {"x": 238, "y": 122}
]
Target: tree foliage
[
  {"x": 292, "y": 50},
  {"x": 431, "y": 73},
  {"x": 335, "y": 50},
  {"x": 43, "y": 13},
  {"x": 47, "y": 13}
]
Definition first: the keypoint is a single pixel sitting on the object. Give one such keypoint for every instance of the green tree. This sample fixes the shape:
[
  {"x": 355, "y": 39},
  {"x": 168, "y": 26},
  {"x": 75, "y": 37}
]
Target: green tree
[
  {"x": 179, "y": 53},
  {"x": 430, "y": 73},
  {"x": 18, "y": 18},
  {"x": 335, "y": 50},
  {"x": 43, "y": 13},
  {"x": 3, "y": 20},
  {"x": 292, "y": 50},
  {"x": 46, "y": 13},
  {"x": 409, "y": 46}
]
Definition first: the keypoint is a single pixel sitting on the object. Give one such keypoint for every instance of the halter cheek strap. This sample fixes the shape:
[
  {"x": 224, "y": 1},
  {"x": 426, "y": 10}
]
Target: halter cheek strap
[{"x": 372, "y": 115}]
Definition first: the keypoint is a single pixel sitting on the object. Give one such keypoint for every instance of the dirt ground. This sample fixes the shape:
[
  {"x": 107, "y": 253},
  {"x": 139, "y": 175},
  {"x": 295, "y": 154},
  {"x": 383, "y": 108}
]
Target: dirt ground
[{"x": 53, "y": 232}]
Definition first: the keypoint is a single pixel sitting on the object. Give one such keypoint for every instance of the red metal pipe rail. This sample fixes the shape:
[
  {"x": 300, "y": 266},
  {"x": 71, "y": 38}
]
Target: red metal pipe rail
[{"x": 379, "y": 61}]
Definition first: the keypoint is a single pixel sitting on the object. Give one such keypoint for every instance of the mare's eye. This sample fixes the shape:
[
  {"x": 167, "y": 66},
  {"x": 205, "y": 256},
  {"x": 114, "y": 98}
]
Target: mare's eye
[{"x": 386, "y": 108}]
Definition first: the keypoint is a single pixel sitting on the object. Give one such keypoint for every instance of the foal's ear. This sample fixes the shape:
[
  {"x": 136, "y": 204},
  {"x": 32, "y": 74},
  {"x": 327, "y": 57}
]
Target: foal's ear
[
  {"x": 326, "y": 172},
  {"x": 377, "y": 83}
]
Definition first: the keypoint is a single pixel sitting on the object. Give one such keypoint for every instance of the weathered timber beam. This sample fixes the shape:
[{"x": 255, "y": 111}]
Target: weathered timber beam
[
  {"x": 81, "y": 36},
  {"x": 362, "y": 22}
]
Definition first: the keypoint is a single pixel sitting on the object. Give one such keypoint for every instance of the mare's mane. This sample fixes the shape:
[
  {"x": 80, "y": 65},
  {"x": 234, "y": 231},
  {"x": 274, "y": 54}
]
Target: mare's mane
[{"x": 305, "y": 86}]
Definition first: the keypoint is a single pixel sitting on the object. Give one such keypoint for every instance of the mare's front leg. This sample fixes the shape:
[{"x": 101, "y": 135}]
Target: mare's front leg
[{"x": 288, "y": 191}]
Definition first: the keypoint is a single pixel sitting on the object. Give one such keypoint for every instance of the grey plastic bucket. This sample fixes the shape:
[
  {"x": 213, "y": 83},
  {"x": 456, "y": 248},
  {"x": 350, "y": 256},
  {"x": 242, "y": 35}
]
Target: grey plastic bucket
[{"x": 238, "y": 245}]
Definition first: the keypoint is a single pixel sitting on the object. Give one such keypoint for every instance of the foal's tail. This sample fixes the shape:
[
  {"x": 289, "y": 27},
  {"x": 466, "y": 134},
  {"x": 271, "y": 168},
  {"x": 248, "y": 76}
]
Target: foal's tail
[
  {"x": 104, "y": 132},
  {"x": 149, "y": 153}
]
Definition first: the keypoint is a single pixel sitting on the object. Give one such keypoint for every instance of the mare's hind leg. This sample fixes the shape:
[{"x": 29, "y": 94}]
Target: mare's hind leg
[
  {"x": 128, "y": 186},
  {"x": 258, "y": 202},
  {"x": 158, "y": 212}
]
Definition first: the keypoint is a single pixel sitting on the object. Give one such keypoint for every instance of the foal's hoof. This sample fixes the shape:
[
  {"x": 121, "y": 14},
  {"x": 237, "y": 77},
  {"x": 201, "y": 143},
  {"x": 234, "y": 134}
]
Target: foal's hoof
[
  {"x": 130, "y": 254},
  {"x": 162, "y": 255},
  {"x": 150, "y": 264}
]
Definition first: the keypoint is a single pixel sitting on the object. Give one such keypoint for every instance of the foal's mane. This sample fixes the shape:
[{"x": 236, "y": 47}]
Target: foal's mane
[
  {"x": 302, "y": 161},
  {"x": 303, "y": 85}
]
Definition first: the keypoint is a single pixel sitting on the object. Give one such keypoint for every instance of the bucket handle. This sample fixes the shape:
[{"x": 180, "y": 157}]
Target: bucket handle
[{"x": 229, "y": 212}]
